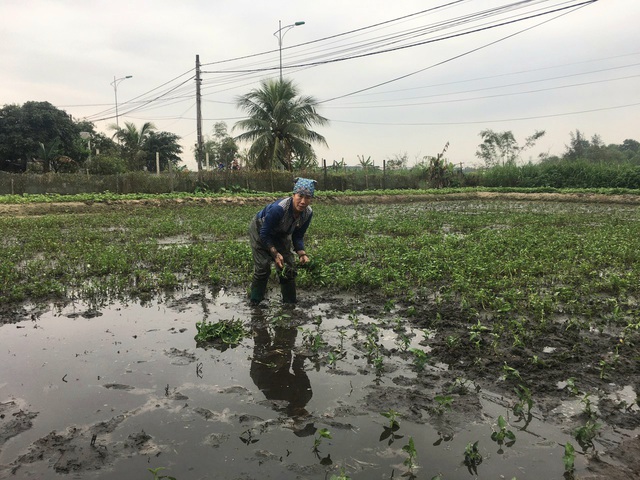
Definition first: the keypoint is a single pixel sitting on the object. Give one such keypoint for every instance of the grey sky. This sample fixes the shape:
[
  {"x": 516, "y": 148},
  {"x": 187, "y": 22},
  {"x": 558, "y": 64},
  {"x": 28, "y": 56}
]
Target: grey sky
[{"x": 577, "y": 68}]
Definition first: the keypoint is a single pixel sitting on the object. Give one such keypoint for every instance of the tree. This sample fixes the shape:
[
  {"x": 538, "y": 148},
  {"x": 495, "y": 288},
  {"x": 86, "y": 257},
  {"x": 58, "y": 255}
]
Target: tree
[
  {"x": 279, "y": 124},
  {"x": 398, "y": 161},
  {"x": 221, "y": 147},
  {"x": 133, "y": 143},
  {"x": 24, "y": 129},
  {"x": 166, "y": 144},
  {"x": 501, "y": 148}
]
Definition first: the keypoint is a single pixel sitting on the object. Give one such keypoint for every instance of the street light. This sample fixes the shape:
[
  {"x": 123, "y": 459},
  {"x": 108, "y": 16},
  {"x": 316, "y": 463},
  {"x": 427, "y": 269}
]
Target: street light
[
  {"x": 115, "y": 83},
  {"x": 279, "y": 34}
]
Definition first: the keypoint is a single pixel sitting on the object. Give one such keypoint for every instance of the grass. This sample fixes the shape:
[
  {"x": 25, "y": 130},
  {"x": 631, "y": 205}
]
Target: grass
[{"x": 509, "y": 258}]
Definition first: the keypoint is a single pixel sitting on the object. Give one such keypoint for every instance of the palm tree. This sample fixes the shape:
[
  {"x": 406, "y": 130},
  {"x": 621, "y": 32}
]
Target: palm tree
[
  {"x": 279, "y": 124},
  {"x": 133, "y": 142}
]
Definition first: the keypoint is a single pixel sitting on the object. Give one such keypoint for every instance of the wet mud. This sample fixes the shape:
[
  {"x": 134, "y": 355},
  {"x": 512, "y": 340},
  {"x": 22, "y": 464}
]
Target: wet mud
[{"x": 112, "y": 393}]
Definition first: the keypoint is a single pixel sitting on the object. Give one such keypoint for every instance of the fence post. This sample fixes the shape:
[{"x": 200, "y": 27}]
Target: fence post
[
  {"x": 384, "y": 174},
  {"x": 157, "y": 163},
  {"x": 324, "y": 167}
]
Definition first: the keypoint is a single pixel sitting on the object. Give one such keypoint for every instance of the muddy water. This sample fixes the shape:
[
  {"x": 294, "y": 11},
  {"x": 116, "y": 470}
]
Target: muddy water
[{"x": 109, "y": 393}]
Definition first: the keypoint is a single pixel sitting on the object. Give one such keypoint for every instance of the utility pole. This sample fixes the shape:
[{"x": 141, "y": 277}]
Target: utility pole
[{"x": 199, "y": 146}]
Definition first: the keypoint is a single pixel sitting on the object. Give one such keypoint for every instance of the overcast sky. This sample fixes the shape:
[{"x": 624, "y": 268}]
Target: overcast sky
[{"x": 393, "y": 78}]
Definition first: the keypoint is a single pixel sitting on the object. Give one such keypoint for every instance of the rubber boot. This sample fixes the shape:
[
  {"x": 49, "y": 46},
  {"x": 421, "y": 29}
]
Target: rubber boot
[
  {"x": 288, "y": 289},
  {"x": 258, "y": 290}
]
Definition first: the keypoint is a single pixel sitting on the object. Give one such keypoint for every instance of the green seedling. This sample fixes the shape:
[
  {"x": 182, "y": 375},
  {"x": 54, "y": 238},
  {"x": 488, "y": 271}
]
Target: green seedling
[
  {"x": 452, "y": 341},
  {"x": 588, "y": 407},
  {"x": 444, "y": 403},
  {"x": 568, "y": 459},
  {"x": 571, "y": 386},
  {"x": 394, "y": 426},
  {"x": 403, "y": 340},
  {"x": 378, "y": 364},
  {"x": 472, "y": 457},
  {"x": 317, "y": 440},
  {"x": 475, "y": 333},
  {"x": 156, "y": 474},
  {"x": 585, "y": 434},
  {"x": 229, "y": 332},
  {"x": 524, "y": 400},
  {"x": 420, "y": 358},
  {"x": 509, "y": 372},
  {"x": 341, "y": 476},
  {"x": 503, "y": 433},
  {"x": 392, "y": 416},
  {"x": 412, "y": 455}
]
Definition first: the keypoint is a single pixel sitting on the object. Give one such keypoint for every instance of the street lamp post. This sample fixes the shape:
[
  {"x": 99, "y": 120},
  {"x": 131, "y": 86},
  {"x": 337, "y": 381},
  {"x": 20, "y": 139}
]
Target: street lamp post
[
  {"x": 115, "y": 83},
  {"x": 279, "y": 34}
]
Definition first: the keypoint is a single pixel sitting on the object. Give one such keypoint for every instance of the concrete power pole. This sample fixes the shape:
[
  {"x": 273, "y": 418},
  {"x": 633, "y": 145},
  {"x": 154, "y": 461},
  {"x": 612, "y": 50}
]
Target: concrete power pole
[{"x": 199, "y": 145}]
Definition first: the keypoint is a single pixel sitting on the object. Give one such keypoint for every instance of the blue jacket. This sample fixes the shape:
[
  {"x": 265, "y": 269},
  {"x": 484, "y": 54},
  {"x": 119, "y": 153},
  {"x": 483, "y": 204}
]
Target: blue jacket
[{"x": 276, "y": 222}]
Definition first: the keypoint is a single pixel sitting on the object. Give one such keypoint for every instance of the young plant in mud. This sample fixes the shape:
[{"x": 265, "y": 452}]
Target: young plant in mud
[
  {"x": 341, "y": 476},
  {"x": 420, "y": 359},
  {"x": 444, "y": 403},
  {"x": 394, "y": 426},
  {"x": 510, "y": 372},
  {"x": 585, "y": 434},
  {"x": 524, "y": 400},
  {"x": 317, "y": 440},
  {"x": 156, "y": 474},
  {"x": 569, "y": 459},
  {"x": 472, "y": 457},
  {"x": 412, "y": 455},
  {"x": 501, "y": 433},
  {"x": 226, "y": 333},
  {"x": 475, "y": 334}
]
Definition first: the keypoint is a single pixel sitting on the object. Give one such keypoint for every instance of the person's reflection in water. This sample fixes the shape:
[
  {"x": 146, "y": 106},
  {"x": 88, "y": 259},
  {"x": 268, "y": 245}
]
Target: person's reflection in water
[{"x": 276, "y": 370}]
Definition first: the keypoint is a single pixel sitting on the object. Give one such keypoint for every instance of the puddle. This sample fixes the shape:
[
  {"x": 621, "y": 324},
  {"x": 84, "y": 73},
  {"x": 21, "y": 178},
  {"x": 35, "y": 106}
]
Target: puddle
[{"x": 125, "y": 389}]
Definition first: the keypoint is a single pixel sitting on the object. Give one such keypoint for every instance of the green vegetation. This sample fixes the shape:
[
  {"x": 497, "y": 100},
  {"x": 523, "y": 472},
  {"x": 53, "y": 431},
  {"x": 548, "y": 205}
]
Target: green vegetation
[{"x": 229, "y": 333}]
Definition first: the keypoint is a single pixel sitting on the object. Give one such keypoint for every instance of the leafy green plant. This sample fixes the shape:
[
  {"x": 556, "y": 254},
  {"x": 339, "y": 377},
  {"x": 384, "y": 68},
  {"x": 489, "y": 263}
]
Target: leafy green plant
[
  {"x": 586, "y": 433},
  {"x": 389, "y": 431},
  {"x": 317, "y": 439},
  {"x": 156, "y": 474},
  {"x": 510, "y": 372},
  {"x": 444, "y": 403},
  {"x": 524, "y": 400},
  {"x": 472, "y": 457},
  {"x": 420, "y": 358},
  {"x": 410, "y": 449},
  {"x": 501, "y": 433},
  {"x": 229, "y": 332},
  {"x": 568, "y": 459}
]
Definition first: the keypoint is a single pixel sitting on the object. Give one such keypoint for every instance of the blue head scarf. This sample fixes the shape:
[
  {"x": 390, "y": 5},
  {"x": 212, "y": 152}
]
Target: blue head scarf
[{"x": 305, "y": 186}]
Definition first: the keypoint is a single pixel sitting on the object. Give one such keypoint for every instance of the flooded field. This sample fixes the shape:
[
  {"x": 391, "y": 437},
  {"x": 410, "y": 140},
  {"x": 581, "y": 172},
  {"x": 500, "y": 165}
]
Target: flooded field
[{"x": 338, "y": 385}]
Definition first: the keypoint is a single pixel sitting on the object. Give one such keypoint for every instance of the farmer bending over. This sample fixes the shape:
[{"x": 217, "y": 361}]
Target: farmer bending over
[{"x": 275, "y": 233}]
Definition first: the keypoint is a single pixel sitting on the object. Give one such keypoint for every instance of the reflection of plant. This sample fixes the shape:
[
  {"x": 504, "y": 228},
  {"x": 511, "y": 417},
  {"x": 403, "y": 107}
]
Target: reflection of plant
[
  {"x": 156, "y": 474},
  {"x": 247, "y": 437}
]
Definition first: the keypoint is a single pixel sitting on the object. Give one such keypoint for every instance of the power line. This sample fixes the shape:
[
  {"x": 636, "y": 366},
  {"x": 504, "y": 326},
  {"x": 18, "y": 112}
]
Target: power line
[{"x": 515, "y": 119}]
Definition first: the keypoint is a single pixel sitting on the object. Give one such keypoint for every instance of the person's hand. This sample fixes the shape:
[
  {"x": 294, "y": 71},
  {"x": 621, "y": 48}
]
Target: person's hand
[
  {"x": 279, "y": 260},
  {"x": 303, "y": 257}
]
